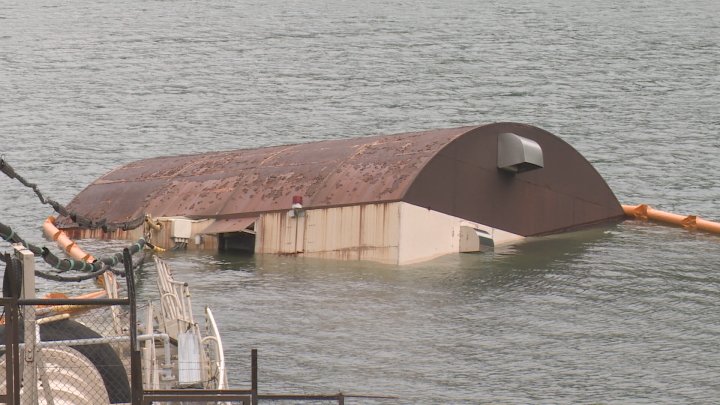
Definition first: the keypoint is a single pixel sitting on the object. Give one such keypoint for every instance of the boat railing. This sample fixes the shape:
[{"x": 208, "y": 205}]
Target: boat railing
[
  {"x": 174, "y": 295},
  {"x": 214, "y": 347},
  {"x": 200, "y": 362},
  {"x": 72, "y": 363}
]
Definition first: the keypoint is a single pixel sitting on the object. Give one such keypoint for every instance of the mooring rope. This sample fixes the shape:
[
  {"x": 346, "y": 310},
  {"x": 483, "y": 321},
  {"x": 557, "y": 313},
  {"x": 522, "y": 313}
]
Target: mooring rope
[
  {"x": 9, "y": 235},
  {"x": 93, "y": 269},
  {"x": 79, "y": 265},
  {"x": 82, "y": 277},
  {"x": 80, "y": 220}
]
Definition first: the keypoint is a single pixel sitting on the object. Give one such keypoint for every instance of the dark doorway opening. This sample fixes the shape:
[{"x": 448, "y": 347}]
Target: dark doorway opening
[{"x": 243, "y": 242}]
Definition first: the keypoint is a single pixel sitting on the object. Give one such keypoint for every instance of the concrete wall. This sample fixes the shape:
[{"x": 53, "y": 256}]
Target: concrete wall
[
  {"x": 394, "y": 233},
  {"x": 365, "y": 232},
  {"x": 426, "y": 234}
]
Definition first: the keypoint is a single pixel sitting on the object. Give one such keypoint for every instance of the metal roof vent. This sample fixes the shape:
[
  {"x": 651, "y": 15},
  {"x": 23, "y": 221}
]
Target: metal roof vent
[{"x": 517, "y": 154}]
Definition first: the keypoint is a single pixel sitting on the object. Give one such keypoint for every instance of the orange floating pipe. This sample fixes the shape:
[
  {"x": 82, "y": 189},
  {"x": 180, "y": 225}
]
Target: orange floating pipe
[
  {"x": 64, "y": 242},
  {"x": 708, "y": 226},
  {"x": 646, "y": 212}
]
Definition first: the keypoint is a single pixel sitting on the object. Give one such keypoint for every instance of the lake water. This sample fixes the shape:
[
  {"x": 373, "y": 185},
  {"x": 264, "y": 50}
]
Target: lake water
[{"x": 625, "y": 313}]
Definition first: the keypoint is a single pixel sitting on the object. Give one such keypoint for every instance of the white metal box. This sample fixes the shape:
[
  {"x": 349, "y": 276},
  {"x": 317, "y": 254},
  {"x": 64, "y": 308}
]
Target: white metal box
[{"x": 181, "y": 228}]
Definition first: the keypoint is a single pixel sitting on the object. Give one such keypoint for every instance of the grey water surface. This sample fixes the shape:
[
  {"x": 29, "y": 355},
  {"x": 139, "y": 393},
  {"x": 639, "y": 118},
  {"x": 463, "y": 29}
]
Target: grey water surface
[{"x": 624, "y": 313}]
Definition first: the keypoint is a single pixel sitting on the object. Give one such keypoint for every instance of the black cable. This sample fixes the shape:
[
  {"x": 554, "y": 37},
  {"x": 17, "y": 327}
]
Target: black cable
[
  {"x": 82, "y": 221},
  {"x": 83, "y": 277},
  {"x": 69, "y": 264}
]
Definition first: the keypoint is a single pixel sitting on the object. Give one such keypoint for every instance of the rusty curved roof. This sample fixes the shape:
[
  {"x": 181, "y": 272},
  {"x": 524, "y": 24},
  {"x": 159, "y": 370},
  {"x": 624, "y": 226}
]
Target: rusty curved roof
[
  {"x": 222, "y": 184},
  {"x": 449, "y": 170}
]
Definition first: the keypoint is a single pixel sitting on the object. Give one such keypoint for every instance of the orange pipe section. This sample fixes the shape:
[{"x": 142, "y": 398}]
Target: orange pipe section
[
  {"x": 86, "y": 296},
  {"x": 646, "y": 212},
  {"x": 65, "y": 309},
  {"x": 64, "y": 242},
  {"x": 69, "y": 309}
]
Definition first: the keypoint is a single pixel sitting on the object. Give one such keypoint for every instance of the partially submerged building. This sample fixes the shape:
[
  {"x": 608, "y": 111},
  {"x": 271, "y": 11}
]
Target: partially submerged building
[{"x": 394, "y": 199}]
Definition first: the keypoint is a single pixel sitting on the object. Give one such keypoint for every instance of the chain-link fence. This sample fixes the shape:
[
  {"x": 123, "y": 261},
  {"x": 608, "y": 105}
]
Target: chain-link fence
[
  {"x": 60, "y": 350},
  {"x": 83, "y": 364},
  {"x": 75, "y": 351}
]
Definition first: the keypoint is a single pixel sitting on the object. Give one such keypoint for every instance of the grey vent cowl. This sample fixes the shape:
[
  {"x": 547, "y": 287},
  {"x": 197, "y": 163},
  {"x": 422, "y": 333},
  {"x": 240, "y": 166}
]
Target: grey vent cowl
[{"x": 517, "y": 154}]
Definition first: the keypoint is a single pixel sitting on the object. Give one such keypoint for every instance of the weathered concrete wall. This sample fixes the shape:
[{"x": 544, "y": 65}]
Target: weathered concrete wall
[
  {"x": 426, "y": 234},
  {"x": 365, "y": 232},
  {"x": 394, "y": 233}
]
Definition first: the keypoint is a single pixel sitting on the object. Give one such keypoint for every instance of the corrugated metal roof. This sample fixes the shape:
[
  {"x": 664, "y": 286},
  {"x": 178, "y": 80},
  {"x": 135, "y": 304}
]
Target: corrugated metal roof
[
  {"x": 453, "y": 171},
  {"x": 224, "y": 184}
]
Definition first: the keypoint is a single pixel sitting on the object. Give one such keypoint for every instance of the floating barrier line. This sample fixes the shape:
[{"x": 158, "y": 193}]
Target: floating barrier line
[
  {"x": 97, "y": 267},
  {"x": 691, "y": 222},
  {"x": 64, "y": 242}
]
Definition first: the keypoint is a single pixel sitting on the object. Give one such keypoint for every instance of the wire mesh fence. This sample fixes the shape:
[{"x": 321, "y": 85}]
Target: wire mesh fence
[
  {"x": 75, "y": 358},
  {"x": 74, "y": 351}
]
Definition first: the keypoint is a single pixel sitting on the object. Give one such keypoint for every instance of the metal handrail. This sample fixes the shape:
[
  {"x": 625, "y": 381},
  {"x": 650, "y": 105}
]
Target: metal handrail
[{"x": 219, "y": 350}]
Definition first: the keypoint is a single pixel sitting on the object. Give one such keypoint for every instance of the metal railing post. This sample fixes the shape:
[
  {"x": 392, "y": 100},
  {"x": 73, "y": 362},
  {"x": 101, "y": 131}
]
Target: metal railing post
[
  {"x": 12, "y": 351},
  {"x": 31, "y": 335},
  {"x": 254, "y": 376},
  {"x": 15, "y": 350},
  {"x": 136, "y": 385},
  {"x": 15, "y": 335},
  {"x": 12, "y": 338}
]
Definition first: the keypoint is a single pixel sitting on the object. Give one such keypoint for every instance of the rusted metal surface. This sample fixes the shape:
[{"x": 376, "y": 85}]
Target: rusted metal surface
[
  {"x": 243, "y": 182},
  {"x": 453, "y": 171}
]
